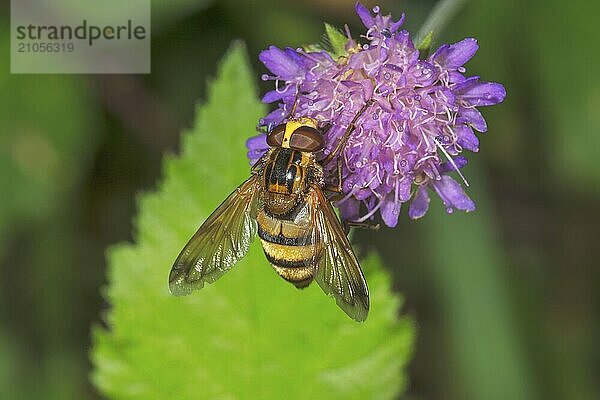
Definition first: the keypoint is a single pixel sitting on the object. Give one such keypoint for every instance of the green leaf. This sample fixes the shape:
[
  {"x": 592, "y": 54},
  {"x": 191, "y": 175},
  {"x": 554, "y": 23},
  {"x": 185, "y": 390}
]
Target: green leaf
[
  {"x": 314, "y": 47},
  {"x": 337, "y": 40},
  {"x": 250, "y": 334},
  {"x": 425, "y": 45}
]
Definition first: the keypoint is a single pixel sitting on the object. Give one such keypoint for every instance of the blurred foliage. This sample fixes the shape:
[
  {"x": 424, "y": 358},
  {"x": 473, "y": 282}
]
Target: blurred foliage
[
  {"x": 168, "y": 11},
  {"x": 40, "y": 141},
  {"x": 506, "y": 298},
  {"x": 45, "y": 144},
  {"x": 468, "y": 263},
  {"x": 251, "y": 335},
  {"x": 571, "y": 100}
]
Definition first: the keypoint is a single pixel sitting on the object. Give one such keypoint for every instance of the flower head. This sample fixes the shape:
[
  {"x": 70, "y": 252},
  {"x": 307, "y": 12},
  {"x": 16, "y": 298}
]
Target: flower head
[{"x": 420, "y": 115}]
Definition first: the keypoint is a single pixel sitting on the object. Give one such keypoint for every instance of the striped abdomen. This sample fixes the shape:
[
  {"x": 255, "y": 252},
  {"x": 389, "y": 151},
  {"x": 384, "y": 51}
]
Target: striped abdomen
[{"x": 289, "y": 247}]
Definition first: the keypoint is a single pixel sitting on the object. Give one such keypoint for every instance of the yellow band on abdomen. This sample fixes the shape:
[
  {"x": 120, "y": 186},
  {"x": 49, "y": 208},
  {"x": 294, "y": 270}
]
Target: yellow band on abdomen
[{"x": 291, "y": 256}]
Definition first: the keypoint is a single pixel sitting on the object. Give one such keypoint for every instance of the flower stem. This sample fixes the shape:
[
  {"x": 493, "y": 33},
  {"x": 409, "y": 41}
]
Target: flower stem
[{"x": 438, "y": 18}]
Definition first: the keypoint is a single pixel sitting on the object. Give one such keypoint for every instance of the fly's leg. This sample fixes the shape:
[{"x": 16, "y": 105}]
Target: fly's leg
[
  {"x": 347, "y": 134},
  {"x": 258, "y": 166},
  {"x": 364, "y": 225},
  {"x": 337, "y": 188}
]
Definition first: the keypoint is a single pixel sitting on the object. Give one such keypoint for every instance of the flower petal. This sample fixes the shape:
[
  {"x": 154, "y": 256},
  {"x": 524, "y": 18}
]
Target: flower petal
[
  {"x": 474, "y": 118},
  {"x": 280, "y": 63},
  {"x": 257, "y": 142},
  {"x": 404, "y": 187},
  {"x": 456, "y": 77},
  {"x": 466, "y": 138},
  {"x": 452, "y": 195},
  {"x": 272, "y": 96},
  {"x": 390, "y": 210},
  {"x": 275, "y": 117},
  {"x": 257, "y": 146},
  {"x": 396, "y": 25},
  {"x": 349, "y": 209},
  {"x": 295, "y": 56},
  {"x": 276, "y": 95},
  {"x": 457, "y": 54},
  {"x": 420, "y": 203},
  {"x": 365, "y": 15},
  {"x": 423, "y": 73},
  {"x": 479, "y": 93},
  {"x": 459, "y": 161}
]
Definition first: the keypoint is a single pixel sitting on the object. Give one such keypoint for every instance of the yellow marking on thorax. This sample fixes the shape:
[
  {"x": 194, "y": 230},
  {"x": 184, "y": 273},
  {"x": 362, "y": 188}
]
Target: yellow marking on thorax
[
  {"x": 294, "y": 124},
  {"x": 307, "y": 159}
]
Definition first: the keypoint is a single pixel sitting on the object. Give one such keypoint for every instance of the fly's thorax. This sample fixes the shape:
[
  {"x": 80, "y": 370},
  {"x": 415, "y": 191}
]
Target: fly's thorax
[{"x": 286, "y": 171}]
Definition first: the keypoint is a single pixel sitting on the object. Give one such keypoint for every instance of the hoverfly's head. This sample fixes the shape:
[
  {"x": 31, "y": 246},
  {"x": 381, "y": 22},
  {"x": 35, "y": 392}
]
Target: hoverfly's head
[{"x": 297, "y": 134}]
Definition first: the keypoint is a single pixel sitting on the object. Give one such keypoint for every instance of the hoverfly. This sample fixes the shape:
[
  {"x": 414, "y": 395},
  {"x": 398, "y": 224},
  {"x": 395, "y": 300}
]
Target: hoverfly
[{"x": 284, "y": 202}]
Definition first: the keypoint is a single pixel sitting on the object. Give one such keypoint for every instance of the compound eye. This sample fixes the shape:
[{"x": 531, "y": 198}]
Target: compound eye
[
  {"x": 275, "y": 137},
  {"x": 307, "y": 139}
]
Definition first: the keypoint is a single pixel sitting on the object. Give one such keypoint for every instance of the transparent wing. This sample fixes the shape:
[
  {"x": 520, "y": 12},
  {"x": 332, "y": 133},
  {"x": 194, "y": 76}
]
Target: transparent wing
[
  {"x": 220, "y": 242},
  {"x": 338, "y": 272}
]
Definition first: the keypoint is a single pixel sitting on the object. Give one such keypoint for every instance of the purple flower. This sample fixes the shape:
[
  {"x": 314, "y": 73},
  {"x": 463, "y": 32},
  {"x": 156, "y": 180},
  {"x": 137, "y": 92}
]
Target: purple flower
[{"x": 422, "y": 115}]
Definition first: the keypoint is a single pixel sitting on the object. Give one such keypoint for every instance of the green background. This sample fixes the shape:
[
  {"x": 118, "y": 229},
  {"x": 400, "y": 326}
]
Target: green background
[{"x": 505, "y": 299}]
